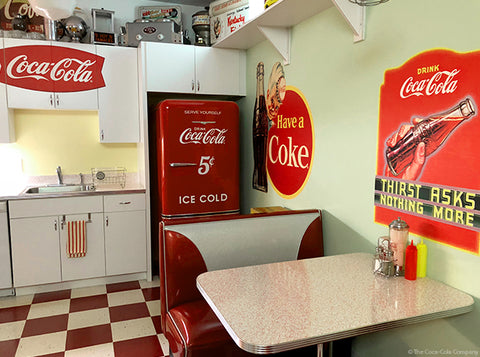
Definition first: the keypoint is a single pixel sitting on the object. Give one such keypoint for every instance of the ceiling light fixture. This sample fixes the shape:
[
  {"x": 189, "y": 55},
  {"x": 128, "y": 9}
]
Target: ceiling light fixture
[{"x": 368, "y": 2}]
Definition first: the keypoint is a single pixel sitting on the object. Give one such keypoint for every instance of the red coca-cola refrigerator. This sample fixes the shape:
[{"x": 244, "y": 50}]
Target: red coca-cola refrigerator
[
  {"x": 197, "y": 158},
  {"x": 194, "y": 161}
]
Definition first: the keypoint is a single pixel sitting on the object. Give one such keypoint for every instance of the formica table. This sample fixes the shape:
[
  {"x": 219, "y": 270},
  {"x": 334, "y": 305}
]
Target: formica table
[{"x": 282, "y": 306}]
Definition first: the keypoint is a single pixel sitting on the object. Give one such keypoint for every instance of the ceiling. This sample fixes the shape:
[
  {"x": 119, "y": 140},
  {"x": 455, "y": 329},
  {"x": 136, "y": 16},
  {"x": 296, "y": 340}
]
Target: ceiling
[{"x": 201, "y": 3}]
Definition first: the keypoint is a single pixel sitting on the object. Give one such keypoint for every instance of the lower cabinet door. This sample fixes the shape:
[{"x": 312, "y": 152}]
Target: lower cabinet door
[
  {"x": 35, "y": 252},
  {"x": 93, "y": 263},
  {"x": 125, "y": 242}
]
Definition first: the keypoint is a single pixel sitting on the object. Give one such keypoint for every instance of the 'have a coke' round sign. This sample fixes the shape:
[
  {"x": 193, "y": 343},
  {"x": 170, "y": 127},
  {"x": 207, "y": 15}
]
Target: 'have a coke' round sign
[{"x": 291, "y": 143}]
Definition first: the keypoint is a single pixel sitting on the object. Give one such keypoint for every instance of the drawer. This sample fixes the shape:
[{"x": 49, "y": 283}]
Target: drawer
[
  {"x": 55, "y": 206},
  {"x": 129, "y": 202}
]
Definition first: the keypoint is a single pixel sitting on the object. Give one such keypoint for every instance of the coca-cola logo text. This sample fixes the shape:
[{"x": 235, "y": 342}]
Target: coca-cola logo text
[
  {"x": 441, "y": 82},
  {"x": 10, "y": 8},
  {"x": 52, "y": 68},
  {"x": 24, "y": 9},
  {"x": 212, "y": 136},
  {"x": 67, "y": 69}
]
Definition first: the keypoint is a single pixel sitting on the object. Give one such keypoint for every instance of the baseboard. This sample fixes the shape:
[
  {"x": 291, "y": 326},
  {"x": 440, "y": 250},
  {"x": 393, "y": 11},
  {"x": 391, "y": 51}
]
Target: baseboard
[{"x": 27, "y": 290}]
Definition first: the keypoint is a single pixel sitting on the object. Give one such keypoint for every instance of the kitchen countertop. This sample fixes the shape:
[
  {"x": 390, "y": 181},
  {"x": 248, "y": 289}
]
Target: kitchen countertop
[
  {"x": 98, "y": 191},
  {"x": 132, "y": 185}
]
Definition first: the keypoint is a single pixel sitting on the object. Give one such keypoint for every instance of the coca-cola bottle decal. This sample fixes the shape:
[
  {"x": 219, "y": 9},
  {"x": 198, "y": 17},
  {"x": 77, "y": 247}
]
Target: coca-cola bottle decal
[
  {"x": 432, "y": 132},
  {"x": 260, "y": 135}
]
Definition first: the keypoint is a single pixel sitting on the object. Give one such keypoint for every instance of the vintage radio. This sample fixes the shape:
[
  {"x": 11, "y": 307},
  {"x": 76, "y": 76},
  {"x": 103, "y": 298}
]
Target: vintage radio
[{"x": 164, "y": 30}]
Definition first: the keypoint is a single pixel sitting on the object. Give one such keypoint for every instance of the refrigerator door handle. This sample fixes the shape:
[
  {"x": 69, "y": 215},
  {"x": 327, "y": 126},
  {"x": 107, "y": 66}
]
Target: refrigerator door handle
[{"x": 182, "y": 164}]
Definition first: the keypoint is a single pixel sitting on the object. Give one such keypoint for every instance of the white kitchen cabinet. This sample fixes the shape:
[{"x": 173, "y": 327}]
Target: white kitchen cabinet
[
  {"x": 7, "y": 127},
  {"x": 5, "y": 259},
  {"x": 174, "y": 68},
  {"x": 125, "y": 234},
  {"x": 93, "y": 263},
  {"x": 35, "y": 250},
  {"x": 49, "y": 97},
  {"x": 169, "y": 67},
  {"x": 38, "y": 234},
  {"x": 115, "y": 232},
  {"x": 220, "y": 71},
  {"x": 118, "y": 110}
]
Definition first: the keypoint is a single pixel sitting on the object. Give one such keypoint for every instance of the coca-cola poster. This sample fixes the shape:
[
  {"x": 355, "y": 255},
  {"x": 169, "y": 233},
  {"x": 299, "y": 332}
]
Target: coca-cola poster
[
  {"x": 428, "y": 150},
  {"x": 283, "y": 135},
  {"x": 51, "y": 68}
]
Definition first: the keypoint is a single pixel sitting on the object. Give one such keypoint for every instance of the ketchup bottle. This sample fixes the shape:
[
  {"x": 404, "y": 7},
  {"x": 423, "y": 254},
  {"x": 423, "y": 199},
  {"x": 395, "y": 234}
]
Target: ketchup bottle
[{"x": 411, "y": 262}]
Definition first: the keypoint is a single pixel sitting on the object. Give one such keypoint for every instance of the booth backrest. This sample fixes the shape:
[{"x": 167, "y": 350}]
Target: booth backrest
[{"x": 191, "y": 247}]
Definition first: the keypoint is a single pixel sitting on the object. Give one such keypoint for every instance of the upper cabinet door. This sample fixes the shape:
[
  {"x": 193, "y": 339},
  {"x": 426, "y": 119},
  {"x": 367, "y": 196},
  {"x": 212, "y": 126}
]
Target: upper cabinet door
[
  {"x": 118, "y": 110},
  {"x": 169, "y": 68},
  {"x": 46, "y": 75},
  {"x": 76, "y": 77},
  {"x": 220, "y": 71},
  {"x": 21, "y": 75}
]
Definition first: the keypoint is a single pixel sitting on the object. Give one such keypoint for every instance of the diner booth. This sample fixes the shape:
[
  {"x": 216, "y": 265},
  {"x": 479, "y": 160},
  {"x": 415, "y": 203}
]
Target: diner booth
[{"x": 190, "y": 247}]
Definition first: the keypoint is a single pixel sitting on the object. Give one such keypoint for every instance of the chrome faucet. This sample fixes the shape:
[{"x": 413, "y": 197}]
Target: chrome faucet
[{"x": 59, "y": 174}]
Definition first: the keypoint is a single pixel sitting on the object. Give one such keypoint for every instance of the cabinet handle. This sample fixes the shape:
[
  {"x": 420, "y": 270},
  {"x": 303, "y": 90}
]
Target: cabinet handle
[
  {"x": 57, "y": 100},
  {"x": 193, "y": 85},
  {"x": 51, "y": 100},
  {"x": 55, "y": 225},
  {"x": 106, "y": 221},
  {"x": 101, "y": 135},
  {"x": 198, "y": 86},
  {"x": 125, "y": 202}
]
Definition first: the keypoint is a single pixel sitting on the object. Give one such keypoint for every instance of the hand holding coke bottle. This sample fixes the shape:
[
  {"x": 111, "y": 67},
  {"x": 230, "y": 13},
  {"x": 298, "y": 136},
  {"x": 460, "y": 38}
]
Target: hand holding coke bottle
[
  {"x": 415, "y": 168},
  {"x": 407, "y": 149}
]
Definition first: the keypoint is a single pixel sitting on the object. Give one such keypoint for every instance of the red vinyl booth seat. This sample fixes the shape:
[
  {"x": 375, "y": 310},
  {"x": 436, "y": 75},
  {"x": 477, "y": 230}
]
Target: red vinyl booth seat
[{"x": 194, "y": 246}]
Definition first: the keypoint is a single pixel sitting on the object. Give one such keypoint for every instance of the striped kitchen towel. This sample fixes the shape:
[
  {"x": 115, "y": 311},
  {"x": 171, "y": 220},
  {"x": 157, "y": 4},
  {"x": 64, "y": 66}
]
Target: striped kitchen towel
[{"x": 77, "y": 239}]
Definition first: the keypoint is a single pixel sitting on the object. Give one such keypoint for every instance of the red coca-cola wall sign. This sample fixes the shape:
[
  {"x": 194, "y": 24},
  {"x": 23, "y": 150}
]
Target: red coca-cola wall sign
[
  {"x": 428, "y": 153},
  {"x": 51, "y": 69},
  {"x": 291, "y": 145}
]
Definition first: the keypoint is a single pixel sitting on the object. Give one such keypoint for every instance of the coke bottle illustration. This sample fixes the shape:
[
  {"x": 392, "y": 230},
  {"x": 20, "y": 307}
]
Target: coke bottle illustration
[
  {"x": 260, "y": 135},
  {"x": 433, "y": 131}
]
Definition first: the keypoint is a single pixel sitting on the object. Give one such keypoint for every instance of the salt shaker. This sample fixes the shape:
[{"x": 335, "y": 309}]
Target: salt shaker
[{"x": 398, "y": 238}]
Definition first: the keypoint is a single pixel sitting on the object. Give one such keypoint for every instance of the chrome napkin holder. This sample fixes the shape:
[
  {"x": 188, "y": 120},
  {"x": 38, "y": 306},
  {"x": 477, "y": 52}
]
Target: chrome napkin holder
[{"x": 383, "y": 262}]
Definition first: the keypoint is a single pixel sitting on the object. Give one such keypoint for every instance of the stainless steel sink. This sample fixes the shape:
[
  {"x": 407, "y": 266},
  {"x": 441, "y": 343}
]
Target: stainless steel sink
[{"x": 58, "y": 188}]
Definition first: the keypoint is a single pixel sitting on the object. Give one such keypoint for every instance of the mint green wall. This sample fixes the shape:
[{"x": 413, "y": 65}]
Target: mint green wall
[{"x": 341, "y": 81}]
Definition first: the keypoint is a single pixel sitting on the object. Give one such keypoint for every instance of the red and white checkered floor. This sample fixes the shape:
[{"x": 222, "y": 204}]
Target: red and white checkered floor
[{"x": 121, "y": 319}]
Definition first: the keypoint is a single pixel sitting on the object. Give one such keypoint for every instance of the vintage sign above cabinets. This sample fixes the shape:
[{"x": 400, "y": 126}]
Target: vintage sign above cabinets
[{"x": 51, "y": 69}]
